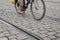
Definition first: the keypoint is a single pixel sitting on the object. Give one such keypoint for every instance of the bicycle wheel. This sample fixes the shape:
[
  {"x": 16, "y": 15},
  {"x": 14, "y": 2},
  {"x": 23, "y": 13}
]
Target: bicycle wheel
[
  {"x": 38, "y": 9},
  {"x": 17, "y": 7}
]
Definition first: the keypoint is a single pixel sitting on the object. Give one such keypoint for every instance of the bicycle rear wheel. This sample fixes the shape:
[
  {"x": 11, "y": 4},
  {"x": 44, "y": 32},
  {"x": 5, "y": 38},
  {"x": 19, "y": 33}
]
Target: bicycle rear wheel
[{"x": 38, "y": 9}]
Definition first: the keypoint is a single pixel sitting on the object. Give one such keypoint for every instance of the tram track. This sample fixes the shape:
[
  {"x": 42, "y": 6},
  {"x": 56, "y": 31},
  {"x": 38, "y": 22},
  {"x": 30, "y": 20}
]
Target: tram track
[{"x": 23, "y": 30}]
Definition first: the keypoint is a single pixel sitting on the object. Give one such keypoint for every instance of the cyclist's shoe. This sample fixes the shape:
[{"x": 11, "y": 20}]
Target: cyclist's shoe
[
  {"x": 21, "y": 12},
  {"x": 21, "y": 8}
]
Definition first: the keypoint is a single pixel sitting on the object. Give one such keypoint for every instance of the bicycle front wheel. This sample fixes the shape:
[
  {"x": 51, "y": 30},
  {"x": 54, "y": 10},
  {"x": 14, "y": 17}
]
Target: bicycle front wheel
[{"x": 38, "y": 9}]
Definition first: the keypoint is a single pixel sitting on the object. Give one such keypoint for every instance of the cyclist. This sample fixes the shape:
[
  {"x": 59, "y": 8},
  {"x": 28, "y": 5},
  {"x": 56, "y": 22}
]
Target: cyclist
[{"x": 21, "y": 5}]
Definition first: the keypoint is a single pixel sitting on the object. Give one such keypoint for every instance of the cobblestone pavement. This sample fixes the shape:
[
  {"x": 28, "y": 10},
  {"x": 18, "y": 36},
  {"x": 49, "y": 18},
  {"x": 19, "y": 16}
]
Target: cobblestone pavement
[
  {"x": 48, "y": 28},
  {"x": 8, "y": 32}
]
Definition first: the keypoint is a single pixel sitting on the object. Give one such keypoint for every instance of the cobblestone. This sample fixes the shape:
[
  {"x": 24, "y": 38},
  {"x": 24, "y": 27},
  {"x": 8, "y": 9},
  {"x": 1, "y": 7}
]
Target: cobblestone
[
  {"x": 58, "y": 39},
  {"x": 43, "y": 35},
  {"x": 3, "y": 39},
  {"x": 45, "y": 38},
  {"x": 1, "y": 35},
  {"x": 13, "y": 34},
  {"x": 14, "y": 39},
  {"x": 51, "y": 33},
  {"x": 58, "y": 35},
  {"x": 51, "y": 37}
]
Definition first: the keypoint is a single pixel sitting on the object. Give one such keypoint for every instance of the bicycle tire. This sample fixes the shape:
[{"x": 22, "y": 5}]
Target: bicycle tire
[
  {"x": 16, "y": 7},
  {"x": 44, "y": 10}
]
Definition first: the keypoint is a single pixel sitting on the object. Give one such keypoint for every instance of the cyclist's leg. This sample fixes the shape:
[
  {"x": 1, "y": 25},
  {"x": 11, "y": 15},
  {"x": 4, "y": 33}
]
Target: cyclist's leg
[{"x": 21, "y": 5}]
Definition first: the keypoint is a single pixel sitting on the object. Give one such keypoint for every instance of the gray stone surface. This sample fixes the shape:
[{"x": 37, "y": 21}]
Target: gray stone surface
[
  {"x": 11, "y": 33},
  {"x": 48, "y": 28},
  {"x": 3, "y": 39}
]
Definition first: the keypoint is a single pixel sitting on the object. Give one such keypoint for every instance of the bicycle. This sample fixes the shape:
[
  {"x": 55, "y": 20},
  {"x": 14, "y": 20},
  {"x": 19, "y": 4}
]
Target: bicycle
[{"x": 35, "y": 6}]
